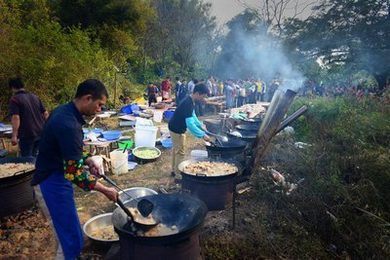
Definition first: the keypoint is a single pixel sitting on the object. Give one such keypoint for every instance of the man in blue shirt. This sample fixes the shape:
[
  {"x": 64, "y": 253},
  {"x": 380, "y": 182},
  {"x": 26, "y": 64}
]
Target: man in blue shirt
[
  {"x": 61, "y": 162},
  {"x": 185, "y": 118}
]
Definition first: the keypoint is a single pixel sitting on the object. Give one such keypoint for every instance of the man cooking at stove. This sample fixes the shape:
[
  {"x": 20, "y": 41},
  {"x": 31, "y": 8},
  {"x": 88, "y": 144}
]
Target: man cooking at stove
[
  {"x": 185, "y": 118},
  {"x": 61, "y": 162}
]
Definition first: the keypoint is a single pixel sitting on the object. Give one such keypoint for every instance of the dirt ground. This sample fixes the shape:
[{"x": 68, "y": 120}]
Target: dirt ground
[{"x": 29, "y": 236}]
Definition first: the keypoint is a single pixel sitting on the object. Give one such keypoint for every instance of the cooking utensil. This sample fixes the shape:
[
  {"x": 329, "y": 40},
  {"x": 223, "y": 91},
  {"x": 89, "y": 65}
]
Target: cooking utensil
[
  {"x": 124, "y": 150},
  {"x": 144, "y": 206},
  {"x": 219, "y": 138},
  {"x": 140, "y": 221},
  {"x": 184, "y": 211},
  {"x": 97, "y": 223}
]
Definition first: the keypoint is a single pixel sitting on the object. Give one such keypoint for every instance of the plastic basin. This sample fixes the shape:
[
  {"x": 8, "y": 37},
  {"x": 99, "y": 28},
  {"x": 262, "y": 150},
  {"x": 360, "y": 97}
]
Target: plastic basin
[
  {"x": 111, "y": 135},
  {"x": 166, "y": 143}
]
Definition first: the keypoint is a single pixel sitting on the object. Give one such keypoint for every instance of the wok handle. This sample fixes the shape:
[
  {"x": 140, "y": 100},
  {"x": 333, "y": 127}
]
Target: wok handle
[{"x": 126, "y": 210}]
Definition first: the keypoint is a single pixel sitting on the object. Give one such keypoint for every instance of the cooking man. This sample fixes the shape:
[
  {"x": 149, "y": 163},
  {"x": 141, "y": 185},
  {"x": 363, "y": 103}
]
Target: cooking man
[
  {"x": 61, "y": 162},
  {"x": 28, "y": 116},
  {"x": 185, "y": 118}
]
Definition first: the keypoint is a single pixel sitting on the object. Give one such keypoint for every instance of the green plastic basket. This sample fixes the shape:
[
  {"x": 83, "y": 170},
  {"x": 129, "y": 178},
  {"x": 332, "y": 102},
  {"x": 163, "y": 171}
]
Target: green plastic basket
[{"x": 123, "y": 143}]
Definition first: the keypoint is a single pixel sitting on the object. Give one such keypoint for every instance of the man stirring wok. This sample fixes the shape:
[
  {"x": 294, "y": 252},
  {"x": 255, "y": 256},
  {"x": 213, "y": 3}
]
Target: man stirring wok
[
  {"x": 61, "y": 162},
  {"x": 185, "y": 118}
]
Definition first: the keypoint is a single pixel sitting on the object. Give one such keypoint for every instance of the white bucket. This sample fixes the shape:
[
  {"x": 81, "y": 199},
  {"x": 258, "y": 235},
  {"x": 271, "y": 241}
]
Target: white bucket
[
  {"x": 199, "y": 154},
  {"x": 157, "y": 116},
  {"x": 99, "y": 162},
  {"x": 145, "y": 136},
  {"x": 119, "y": 161}
]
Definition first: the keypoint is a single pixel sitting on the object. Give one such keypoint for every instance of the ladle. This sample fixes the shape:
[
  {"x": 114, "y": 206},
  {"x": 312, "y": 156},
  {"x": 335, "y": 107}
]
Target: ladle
[{"x": 151, "y": 222}]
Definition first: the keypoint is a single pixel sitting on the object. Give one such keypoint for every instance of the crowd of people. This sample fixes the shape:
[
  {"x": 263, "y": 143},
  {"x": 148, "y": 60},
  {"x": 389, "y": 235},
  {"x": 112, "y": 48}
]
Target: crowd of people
[
  {"x": 312, "y": 88},
  {"x": 236, "y": 92}
]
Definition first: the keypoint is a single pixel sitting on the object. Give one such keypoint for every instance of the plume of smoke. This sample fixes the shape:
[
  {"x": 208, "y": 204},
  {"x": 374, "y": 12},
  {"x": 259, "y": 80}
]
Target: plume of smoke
[{"x": 255, "y": 54}]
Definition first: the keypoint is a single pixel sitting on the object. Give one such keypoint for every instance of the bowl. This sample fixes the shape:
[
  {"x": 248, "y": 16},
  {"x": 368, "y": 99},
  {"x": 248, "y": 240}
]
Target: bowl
[
  {"x": 166, "y": 143},
  {"x": 135, "y": 192},
  {"x": 111, "y": 135},
  {"x": 96, "y": 223},
  {"x": 140, "y": 158}
]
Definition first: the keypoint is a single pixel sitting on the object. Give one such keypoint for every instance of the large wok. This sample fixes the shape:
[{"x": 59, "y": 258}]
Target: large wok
[
  {"x": 247, "y": 136},
  {"x": 250, "y": 128},
  {"x": 187, "y": 213},
  {"x": 232, "y": 144}
]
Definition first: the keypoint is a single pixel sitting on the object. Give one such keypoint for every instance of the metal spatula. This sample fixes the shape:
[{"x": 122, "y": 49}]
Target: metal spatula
[{"x": 218, "y": 137}]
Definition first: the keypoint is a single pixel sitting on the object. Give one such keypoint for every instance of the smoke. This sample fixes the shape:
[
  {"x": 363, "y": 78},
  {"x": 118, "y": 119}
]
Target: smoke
[{"x": 252, "y": 53}]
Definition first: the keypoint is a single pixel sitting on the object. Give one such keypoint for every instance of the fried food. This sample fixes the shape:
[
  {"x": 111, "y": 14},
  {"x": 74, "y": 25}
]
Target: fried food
[
  {"x": 210, "y": 168},
  {"x": 148, "y": 220},
  {"x": 9, "y": 169},
  {"x": 105, "y": 233}
]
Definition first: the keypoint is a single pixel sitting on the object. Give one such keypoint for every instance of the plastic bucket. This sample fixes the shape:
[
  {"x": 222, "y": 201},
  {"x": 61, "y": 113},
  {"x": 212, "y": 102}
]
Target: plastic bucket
[
  {"x": 99, "y": 162},
  {"x": 119, "y": 161},
  {"x": 157, "y": 116},
  {"x": 199, "y": 154},
  {"x": 145, "y": 136}
]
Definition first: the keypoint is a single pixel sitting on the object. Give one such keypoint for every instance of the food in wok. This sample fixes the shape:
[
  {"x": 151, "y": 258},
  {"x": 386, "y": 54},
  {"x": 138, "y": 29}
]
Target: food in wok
[
  {"x": 10, "y": 169},
  {"x": 104, "y": 233},
  {"x": 138, "y": 218},
  {"x": 158, "y": 231},
  {"x": 210, "y": 168}
]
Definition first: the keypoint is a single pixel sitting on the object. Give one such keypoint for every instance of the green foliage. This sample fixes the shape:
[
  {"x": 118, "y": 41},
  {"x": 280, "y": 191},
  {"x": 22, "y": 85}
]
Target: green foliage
[
  {"x": 346, "y": 172},
  {"x": 52, "y": 62},
  {"x": 351, "y": 34},
  {"x": 181, "y": 35}
]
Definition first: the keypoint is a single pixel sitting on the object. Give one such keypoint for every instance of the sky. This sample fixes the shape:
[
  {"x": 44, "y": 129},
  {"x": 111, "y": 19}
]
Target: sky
[{"x": 224, "y": 10}]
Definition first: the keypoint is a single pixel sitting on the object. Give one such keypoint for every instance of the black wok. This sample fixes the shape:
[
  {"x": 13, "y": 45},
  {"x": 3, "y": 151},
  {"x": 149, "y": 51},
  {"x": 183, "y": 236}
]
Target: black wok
[
  {"x": 250, "y": 128},
  {"x": 232, "y": 144},
  {"x": 247, "y": 136},
  {"x": 187, "y": 213}
]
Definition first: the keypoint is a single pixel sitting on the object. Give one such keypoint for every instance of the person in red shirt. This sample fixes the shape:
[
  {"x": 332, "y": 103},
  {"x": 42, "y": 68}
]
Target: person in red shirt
[{"x": 166, "y": 87}]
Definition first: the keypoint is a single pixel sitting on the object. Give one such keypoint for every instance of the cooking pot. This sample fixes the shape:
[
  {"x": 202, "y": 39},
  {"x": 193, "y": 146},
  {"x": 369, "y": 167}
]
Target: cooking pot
[
  {"x": 250, "y": 128},
  {"x": 16, "y": 192},
  {"x": 135, "y": 192},
  {"x": 183, "y": 211},
  {"x": 96, "y": 223},
  {"x": 247, "y": 136},
  {"x": 145, "y": 160},
  {"x": 215, "y": 191}
]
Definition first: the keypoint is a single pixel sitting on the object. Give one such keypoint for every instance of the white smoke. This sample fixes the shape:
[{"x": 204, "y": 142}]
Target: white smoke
[{"x": 258, "y": 55}]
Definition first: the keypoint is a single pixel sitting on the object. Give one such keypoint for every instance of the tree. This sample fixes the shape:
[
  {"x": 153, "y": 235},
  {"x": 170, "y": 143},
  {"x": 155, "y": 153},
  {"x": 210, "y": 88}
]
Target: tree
[
  {"x": 354, "y": 34},
  {"x": 274, "y": 12},
  {"x": 182, "y": 33},
  {"x": 51, "y": 61}
]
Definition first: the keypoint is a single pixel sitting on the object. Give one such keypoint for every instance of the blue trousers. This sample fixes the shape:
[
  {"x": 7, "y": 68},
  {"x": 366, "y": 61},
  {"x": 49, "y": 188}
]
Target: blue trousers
[{"x": 58, "y": 195}]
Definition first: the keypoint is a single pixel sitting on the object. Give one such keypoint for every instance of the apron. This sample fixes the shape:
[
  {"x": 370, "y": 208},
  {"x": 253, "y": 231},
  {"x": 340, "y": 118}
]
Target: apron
[{"x": 58, "y": 195}]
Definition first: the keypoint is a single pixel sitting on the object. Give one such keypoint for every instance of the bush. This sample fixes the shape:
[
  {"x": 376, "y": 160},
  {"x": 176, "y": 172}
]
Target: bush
[{"x": 345, "y": 197}]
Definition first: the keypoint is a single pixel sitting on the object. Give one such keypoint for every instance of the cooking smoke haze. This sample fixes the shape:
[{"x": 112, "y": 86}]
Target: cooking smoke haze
[{"x": 248, "y": 52}]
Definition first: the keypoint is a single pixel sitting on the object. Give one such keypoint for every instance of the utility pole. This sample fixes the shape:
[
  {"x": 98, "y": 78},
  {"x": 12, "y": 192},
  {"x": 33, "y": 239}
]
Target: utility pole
[{"x": 116, "y": 71}]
